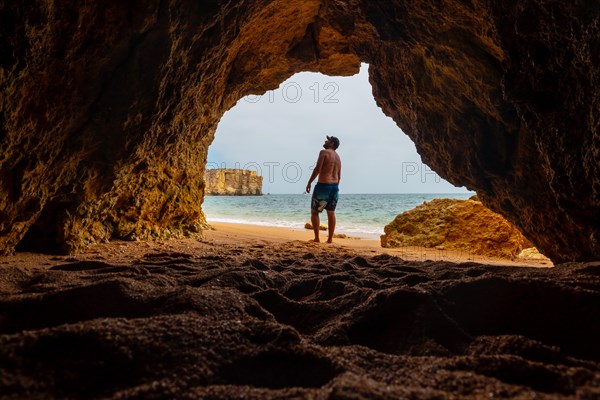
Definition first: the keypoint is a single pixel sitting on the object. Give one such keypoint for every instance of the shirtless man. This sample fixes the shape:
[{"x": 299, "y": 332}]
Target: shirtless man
[{"x": 325, "y": 195}]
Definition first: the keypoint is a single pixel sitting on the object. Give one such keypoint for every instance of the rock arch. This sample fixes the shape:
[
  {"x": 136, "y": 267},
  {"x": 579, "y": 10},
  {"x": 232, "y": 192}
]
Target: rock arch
[{"x": 107, "y": 109}]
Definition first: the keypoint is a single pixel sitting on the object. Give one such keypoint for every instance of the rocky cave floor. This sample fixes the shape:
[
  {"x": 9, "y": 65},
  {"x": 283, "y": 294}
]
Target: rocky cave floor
[{"x": 296, "y": 320}]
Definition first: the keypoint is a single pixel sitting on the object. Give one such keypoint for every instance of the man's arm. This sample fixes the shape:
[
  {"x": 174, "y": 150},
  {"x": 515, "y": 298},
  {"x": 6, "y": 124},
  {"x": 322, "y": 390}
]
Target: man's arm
[{"x": 316, "y": 171}]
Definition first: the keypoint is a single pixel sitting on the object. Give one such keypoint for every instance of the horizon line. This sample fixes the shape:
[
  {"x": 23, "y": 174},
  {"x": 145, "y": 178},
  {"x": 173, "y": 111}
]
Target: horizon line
[{"x": 268, "y": 193}]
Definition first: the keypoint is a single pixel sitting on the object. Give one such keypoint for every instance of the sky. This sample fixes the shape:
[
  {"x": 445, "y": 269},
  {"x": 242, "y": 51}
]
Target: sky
[{"x": 280, "y": 134}]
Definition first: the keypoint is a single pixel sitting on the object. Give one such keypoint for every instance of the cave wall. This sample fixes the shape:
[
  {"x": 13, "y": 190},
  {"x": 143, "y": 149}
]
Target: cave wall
[
  {"x": 503, "y": 98},
  {"x": 107, "y": 109}
]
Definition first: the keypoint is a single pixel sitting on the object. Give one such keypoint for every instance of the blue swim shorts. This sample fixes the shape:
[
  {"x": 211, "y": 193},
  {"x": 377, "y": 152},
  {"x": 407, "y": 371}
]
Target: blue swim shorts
[{"x": 325, "y": 197}]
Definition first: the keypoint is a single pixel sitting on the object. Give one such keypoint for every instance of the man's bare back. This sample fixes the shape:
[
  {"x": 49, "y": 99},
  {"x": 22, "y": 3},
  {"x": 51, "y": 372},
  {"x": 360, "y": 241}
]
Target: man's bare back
[{"x": 329, "y": 166}]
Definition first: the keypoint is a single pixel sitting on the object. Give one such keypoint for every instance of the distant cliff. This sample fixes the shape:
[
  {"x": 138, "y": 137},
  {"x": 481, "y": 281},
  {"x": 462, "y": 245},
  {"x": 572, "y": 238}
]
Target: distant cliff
[{"x": 232, "y": 182}]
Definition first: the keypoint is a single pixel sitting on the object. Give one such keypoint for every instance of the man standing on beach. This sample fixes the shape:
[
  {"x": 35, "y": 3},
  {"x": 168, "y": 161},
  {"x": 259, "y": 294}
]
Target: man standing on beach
[{"x": 325, "y": 195}]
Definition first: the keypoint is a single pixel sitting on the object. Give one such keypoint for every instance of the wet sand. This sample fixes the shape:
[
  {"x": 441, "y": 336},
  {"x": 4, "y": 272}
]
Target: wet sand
[{"x": 263, "y": 313}]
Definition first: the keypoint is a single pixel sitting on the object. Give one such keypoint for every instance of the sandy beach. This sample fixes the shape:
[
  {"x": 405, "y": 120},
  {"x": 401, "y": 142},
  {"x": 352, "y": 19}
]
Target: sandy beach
[
  {"x": 244, "y": 235},
  {"x": 240, "y": 233},
  {"x": 257, "y": 312}
]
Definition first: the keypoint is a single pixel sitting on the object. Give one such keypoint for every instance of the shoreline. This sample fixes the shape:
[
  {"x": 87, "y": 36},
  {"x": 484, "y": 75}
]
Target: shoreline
[
  {"x": 229, "y": 233},
  {"x": 293, "y": 210},
  {"x": 299, "y": 226}
]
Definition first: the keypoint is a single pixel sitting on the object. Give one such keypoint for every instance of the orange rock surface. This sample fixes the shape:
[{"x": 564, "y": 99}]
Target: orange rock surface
[
  {"x": 465, "y": 225},
  {"x": 107, "y": 108},
  {"x": 232, "y": 182}
]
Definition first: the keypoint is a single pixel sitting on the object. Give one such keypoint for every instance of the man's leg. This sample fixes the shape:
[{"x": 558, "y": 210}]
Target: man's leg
[
  {"x": 330, "y": 225},
  {"x": 316, "y": 223}
]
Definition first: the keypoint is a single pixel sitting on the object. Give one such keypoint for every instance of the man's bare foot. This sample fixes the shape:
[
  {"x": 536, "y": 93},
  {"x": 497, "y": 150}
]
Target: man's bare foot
[
  {"x": 329, "y": 240},
  {"x": 316, "y": 240}
]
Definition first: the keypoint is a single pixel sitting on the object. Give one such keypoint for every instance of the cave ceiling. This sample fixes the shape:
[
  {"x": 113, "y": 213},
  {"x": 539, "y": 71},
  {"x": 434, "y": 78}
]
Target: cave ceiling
[{"x": 107, "y": 109}]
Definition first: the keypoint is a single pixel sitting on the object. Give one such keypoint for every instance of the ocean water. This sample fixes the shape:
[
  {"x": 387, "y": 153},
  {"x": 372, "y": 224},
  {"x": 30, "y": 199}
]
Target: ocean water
[{"x": 358, "y": 215}]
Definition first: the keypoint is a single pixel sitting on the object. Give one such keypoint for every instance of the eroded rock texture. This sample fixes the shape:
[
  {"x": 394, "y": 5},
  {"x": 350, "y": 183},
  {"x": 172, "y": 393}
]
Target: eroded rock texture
[
  {"x": 107, "y": 109},
  {"x": 452, "y": 224},
  {"x": 232, "y": 182}
]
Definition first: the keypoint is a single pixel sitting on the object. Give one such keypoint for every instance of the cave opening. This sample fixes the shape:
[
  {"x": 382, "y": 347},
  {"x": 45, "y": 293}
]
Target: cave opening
[
  {"x": 117, "y": 113},
  {"x": 278, "y": 135}
]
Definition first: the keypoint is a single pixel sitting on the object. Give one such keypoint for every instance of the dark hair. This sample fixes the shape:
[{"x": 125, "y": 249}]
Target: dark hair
[{"x": 336, "y": 141}]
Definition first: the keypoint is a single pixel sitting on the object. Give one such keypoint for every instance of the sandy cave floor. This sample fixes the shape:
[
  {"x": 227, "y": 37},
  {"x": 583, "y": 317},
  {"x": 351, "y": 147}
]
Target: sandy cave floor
[{"x": 247, "y": 315}]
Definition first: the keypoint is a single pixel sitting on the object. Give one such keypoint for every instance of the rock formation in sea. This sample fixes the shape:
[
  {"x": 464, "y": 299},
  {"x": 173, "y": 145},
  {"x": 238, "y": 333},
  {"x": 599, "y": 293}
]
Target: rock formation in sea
[
  {"x": 309, "y": 225},
  {"x": 232, "y": 182},
  {"x": 107, "y": 108},
  {"x": 452, "y": 224}
]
